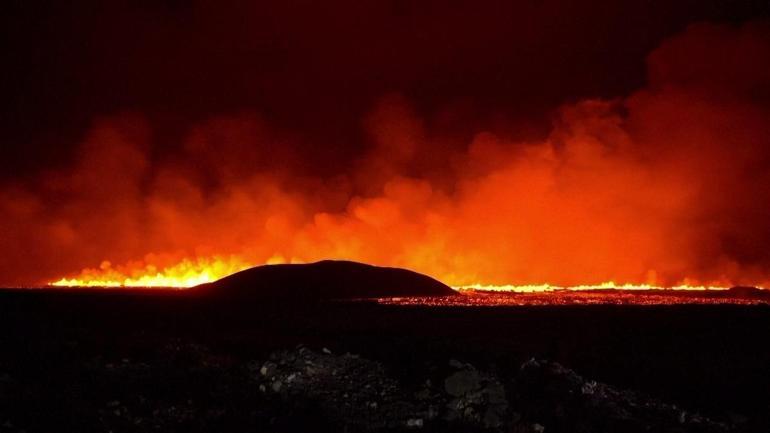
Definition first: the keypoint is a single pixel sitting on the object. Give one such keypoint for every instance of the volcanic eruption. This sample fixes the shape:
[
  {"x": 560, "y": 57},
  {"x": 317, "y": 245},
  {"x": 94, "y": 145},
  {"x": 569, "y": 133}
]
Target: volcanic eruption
[
  {"x": 664, "y": 186},
  {"x": 385, "y": 216}
]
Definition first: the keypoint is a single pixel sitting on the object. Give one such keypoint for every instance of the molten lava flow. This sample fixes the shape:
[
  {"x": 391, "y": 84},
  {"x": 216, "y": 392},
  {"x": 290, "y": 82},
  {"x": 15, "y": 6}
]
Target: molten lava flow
[
  {"x": 584, "y": 297},
  {"x": 609, "y": 285},
  {"x": 191, "y": 272},
  {"x": 187, "y": 273}
]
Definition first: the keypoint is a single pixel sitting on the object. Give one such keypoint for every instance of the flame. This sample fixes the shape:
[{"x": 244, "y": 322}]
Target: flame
[
  {"x": 663, "y": 188},
  {"x": 192, "y": 272},
  {"x": 186, "y": 273}
]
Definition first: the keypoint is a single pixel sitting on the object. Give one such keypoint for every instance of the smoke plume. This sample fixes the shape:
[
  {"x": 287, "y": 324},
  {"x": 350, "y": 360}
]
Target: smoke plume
[{"x": 669, "y": 184}]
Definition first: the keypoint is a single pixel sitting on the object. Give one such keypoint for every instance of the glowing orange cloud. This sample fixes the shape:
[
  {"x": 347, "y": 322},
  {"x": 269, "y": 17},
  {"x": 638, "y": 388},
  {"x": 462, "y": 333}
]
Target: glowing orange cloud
[{"x": 666, "y": 187}]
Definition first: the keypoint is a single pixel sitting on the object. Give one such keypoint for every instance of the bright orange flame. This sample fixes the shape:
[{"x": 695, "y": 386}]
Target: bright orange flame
[
  {"x": 191, "y": 272},
  {"x": 665, "y": 187},
  {"x": 187, "y": 273}
]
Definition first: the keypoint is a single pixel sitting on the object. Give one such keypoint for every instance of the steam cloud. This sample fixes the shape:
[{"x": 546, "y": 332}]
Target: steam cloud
[{"x": 670, "y": 184}]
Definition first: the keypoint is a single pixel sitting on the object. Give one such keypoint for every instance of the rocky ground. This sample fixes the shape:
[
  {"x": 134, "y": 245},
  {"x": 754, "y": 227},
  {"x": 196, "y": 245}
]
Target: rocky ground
[
  {"x": 164, "y": 364},
  {"x": 356, "y": 394},
  {"x": 302, "y": 388}
]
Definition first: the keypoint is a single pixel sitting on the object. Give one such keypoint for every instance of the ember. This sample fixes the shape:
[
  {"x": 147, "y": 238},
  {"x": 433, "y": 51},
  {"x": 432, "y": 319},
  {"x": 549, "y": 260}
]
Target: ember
[{"x": 569, "y": 297}]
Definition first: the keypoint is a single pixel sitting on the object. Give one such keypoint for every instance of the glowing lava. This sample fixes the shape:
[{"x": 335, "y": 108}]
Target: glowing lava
[
  {"x": 186, "y": 273},
  {"x": 191, "y": 272},
  {"x": 609, "y": 285}
]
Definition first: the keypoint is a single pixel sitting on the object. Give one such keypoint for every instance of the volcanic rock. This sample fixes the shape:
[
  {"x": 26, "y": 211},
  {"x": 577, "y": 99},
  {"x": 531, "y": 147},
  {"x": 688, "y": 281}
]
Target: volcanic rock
[
  {"x": 475, "y": 397},
  {"x": 562, "y": 401},
  {"x": 358, "y": 395},
  {"x": 462, "y": 382},
  {"x": 354, "y": 393},
  {"x": 324, "y": 280}
]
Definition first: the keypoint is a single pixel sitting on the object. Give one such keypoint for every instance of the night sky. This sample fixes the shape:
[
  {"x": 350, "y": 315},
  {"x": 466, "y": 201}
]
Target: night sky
[{"x": 316, "y": 68}]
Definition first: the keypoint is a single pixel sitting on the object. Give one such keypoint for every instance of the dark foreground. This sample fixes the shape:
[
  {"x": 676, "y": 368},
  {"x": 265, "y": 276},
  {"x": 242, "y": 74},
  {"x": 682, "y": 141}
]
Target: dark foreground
[{"x": 132, "y": 361}]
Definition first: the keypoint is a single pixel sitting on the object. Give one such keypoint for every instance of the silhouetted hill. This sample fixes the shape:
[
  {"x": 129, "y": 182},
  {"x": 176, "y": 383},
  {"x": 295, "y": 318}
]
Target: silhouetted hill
[{"x": 327, "y": 279}]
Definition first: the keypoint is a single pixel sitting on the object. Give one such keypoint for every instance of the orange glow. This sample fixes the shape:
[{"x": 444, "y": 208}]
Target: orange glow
[
  {"x": 187, "y": 273},
  {"x": 661, "y": 188},
  {"x": 580, "y": 297},
  {"x": 544, "y": 288}
]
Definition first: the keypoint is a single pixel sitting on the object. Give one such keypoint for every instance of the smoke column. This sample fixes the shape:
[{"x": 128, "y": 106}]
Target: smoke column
[{"x": 667, "y": 185}]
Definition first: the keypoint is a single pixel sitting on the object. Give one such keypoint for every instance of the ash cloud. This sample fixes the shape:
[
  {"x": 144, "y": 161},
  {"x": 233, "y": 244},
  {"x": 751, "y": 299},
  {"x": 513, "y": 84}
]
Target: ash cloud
[{"x": 668, "y": 184}]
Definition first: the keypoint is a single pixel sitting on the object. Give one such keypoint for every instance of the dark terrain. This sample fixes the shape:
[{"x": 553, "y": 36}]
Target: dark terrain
[
  {"x": 289, "y": 348},
  {"x": 166, "y": 361}
]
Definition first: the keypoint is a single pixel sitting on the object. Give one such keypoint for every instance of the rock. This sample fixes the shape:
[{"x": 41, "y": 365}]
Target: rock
[
  {"x": 477, "y": 397},
  {"x": 268, "y": 369},
  {"x": 423, "y": 394},
  {"x": 414, "y": 422},
  {"x": 353, "y": 392},
  {"x": 527, "y": 428},
  {"x": 276, "y": 386},
  {"x": 588, "y": 387},
  {"x": 458, "y": 364},
  {"x": 548, "y": 393},
  {"x": 462, "y": 382},
  {"x": 356, "y": 394}
]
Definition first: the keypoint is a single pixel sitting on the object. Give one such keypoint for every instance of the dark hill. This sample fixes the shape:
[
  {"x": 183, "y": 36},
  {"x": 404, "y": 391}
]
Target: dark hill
[{"x": 327, "y": 279}]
